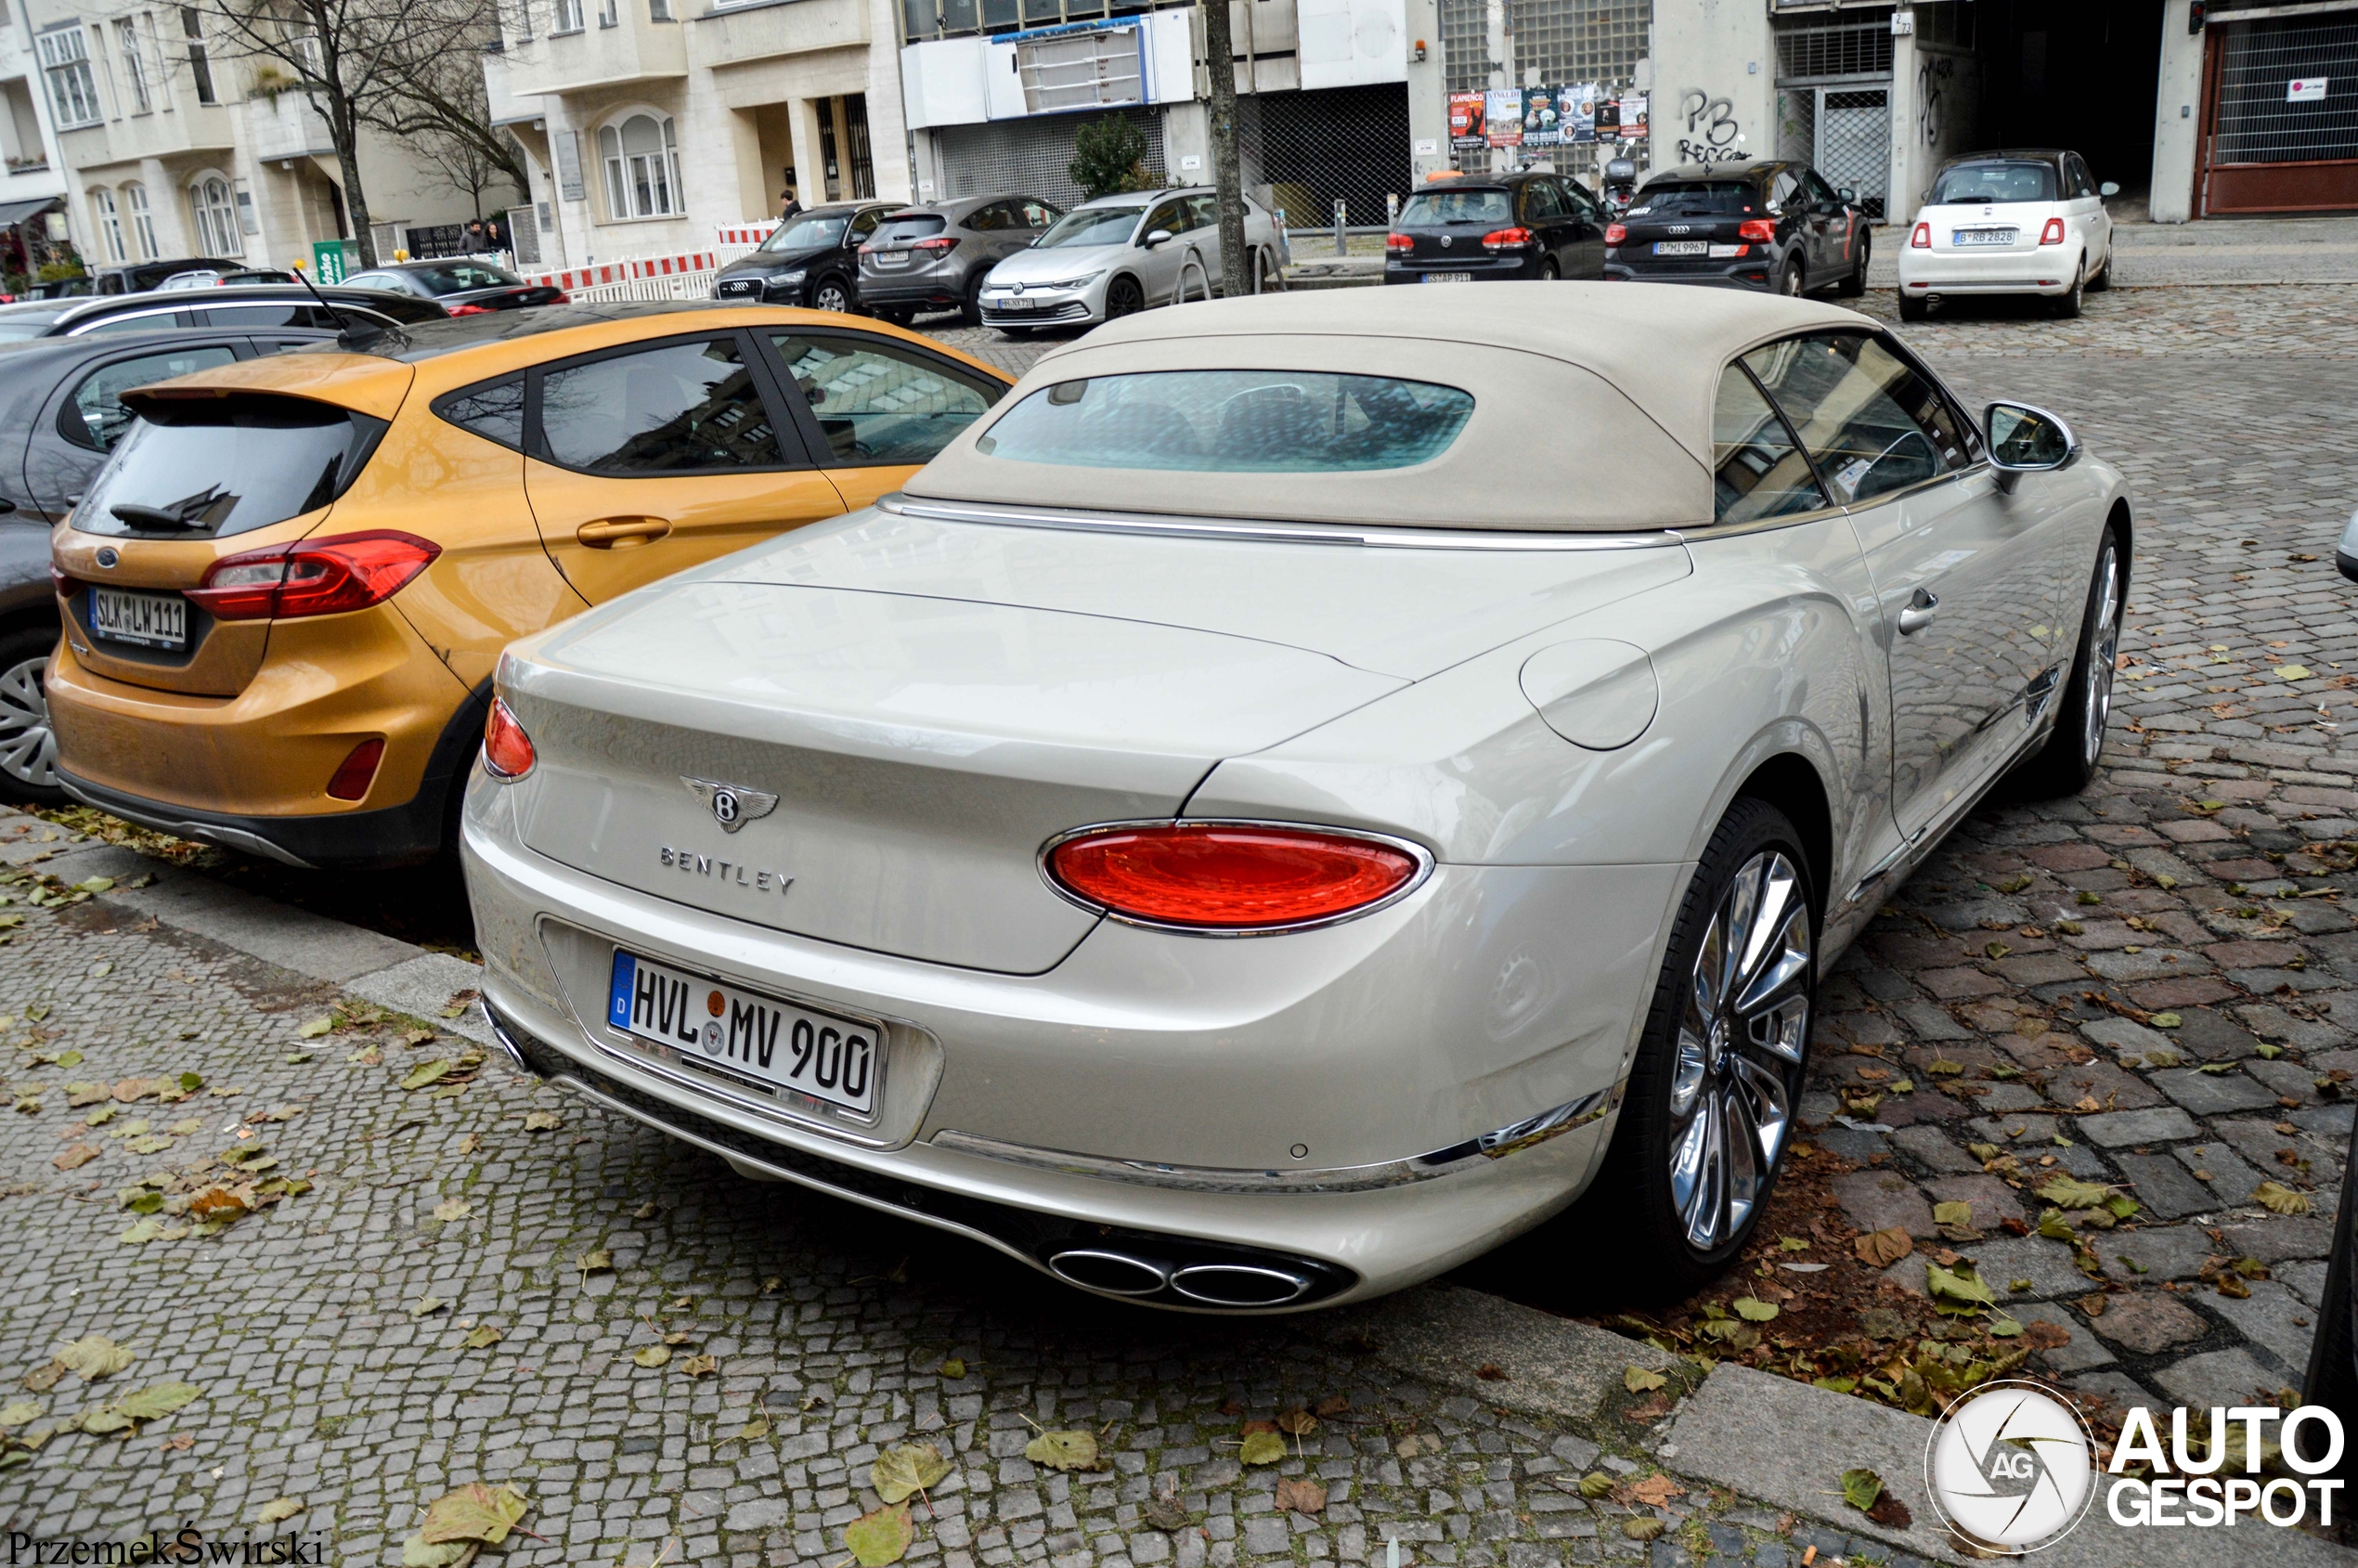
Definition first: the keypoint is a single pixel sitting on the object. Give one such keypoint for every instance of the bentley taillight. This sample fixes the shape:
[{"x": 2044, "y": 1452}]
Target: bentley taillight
[
  {"x": 1229, "y": 876},
  {"x": 507, "y": 750}
]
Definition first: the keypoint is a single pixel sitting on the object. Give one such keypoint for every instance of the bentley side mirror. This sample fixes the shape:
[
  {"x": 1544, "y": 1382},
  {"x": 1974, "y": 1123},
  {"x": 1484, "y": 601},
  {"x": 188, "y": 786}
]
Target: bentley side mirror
[
  {"x": 1160, "y": 237},
  {"x": 2346, "y": 552},
  {"x": 2024, "y": 439},
  {"x": 2108, "y": 189}
]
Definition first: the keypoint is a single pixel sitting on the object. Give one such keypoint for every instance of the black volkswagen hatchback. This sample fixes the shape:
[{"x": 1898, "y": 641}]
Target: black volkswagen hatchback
[
  {"x": 1776, "y": 225},
  {"x": 812, "y": 259},
  {"x": 1515, "y": 225}
]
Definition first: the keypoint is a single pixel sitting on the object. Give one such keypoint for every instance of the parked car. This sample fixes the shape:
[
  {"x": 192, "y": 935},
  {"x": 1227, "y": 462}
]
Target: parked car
[
  {"x": 61, "y": 411},
  {"x": 2024, "y": 221},
  {"x": 139, "y": 278},
  {"x": 284, "y": 595},
  {"x": 252, "y": 307},
  {"x": 2332, "y": 1378},
  {"x": 460, "y": 286},
  {"x": 938, "y": 256},
  {"x": 1536, "y": 225},
  {"x": 1774, "y": 224},
  {"x": 813, "y": 260},
  {"x": 1120, "y": 255},
  {"x": 894, "y": 858}
]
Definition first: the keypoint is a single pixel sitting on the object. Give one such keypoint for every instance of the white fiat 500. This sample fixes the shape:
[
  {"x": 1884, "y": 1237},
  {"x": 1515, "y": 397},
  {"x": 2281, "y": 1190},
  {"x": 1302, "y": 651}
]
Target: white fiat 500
[
  {"x": 2019, "y": 221},
  {"x": 1306, "y": 786}
]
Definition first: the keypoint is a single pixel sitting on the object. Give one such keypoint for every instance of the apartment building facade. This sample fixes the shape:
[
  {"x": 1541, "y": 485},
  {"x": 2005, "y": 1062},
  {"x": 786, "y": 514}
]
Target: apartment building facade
[
  {"x": 33, "y": 183},
  {"x": 172, "y": 146}
]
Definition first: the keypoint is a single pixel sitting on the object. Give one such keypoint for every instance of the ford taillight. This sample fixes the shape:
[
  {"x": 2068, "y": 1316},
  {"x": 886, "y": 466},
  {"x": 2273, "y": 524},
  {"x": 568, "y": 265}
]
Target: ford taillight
[
  {"x": 357, "y": 770},
  {"x": 2052, "y": 234},
  {"x": 312, "y": 576},
  {"x": 507, "y": 750},
  {"x": 1513, "y": 239},
  {"x": 1230, "y": 876},
  {"x": 1762, "y": 229},
  {"x": 1922, "y": 238}
]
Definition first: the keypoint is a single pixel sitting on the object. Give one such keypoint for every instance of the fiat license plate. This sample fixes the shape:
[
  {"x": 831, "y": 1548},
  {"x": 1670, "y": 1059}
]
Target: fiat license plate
[
  {"x": 1682, "y": 247},
  {"x": 1984, "y": 237},
  {"x": 147, "y": 620},
  {"x": 1448, "y": 277},
  {"x": 747, "y": 1038}
]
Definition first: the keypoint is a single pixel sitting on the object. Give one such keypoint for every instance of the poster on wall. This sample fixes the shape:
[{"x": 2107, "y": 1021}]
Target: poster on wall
[
  {"x": 1466, "y": 122},
  {"x": 1580, "y": 113},
  {"x": 1608, "y": 120},
  {"x": 1633, "y": 117},
  {"x": 1503, "y": 109},
  {"x": 1542, "y": 117}
]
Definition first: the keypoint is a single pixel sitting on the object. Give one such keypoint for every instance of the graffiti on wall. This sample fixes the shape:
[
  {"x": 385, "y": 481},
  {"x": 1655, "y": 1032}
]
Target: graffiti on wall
[
  {"x": 1714, "y": 136},
  {"x": 1932, "y": 94}
]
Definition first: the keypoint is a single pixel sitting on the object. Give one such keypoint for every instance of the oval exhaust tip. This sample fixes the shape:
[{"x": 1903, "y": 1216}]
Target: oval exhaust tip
[
  {"x": 1239, "y": 1285},
  {"x": 1116, "y": 1272}
]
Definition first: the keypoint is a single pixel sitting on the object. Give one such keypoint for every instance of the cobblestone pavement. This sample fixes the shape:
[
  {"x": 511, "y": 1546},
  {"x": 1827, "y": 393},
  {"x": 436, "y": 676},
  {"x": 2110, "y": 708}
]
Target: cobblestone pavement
[{"x": 2151, "y": 986}]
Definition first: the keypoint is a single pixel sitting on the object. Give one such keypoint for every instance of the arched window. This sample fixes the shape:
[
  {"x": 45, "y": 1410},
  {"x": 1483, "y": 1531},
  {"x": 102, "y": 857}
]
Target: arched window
[
  {"x": 641, "y": 155},
  {"x": 143, "y": 223},
  {"x": 110, "y": 225},
  {"x": 214, "y": 207}
]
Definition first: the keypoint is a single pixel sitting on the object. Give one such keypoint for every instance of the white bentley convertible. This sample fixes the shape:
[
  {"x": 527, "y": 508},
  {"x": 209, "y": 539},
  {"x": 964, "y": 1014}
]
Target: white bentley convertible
[{"x": 1307, "y": 786}]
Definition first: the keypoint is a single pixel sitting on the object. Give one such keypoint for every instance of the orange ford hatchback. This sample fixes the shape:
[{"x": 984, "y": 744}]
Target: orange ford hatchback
[{"x": 285, "y": 594}]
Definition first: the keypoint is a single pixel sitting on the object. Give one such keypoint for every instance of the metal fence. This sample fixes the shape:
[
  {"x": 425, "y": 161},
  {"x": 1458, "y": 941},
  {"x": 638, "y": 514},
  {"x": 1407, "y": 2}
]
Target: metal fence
[
  {"x": 1031, "y": 156},
  {"x": 2262, "y": 118},
  {"x": 1313, "y": 149}
]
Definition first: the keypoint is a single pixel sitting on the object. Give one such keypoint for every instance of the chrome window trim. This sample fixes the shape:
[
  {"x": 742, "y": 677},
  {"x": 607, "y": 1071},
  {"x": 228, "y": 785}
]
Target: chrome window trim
[
  {"x": 1472, "y": 1154},
  {"x": 1417, "y": 852},
  {"x": 1179, "y": 525}
]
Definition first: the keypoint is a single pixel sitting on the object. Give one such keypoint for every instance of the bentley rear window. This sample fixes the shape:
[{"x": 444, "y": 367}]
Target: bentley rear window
[{"x": 1232, "y": 422}]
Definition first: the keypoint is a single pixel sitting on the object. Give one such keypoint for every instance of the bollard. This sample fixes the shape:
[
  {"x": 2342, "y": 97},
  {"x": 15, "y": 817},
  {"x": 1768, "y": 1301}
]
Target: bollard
[{"x": 1343, "y": 214}]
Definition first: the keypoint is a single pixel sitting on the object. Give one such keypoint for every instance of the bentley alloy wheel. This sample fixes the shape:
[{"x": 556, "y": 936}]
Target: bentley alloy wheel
[
  {"x": 2104, "y": 650},
  {"x": 1740, "y": 1033}
]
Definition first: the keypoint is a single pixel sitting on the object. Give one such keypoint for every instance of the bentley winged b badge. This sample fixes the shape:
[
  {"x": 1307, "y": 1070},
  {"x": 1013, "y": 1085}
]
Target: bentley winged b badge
[{"x": 732, "y": 806}]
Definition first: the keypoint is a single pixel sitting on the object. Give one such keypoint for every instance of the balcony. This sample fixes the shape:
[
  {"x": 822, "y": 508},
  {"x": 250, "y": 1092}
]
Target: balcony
[
  {"x": 763, "y": 29},
  {"x": 634, "y": 50},
  {"x": 285, "y": 126},
  {"x": 191, "y": 129},
  {"x": 508, "y": 105}
]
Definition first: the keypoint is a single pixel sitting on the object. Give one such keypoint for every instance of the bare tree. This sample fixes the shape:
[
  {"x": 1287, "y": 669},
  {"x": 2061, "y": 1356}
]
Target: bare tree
[
  {"x": 358, "y": 61},
  {"x": 444, "y": 112}
]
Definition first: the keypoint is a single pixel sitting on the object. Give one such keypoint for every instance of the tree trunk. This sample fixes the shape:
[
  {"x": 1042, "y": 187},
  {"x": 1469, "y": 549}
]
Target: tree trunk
[
  {"x": 1236, "y": 266},
  {"x": 343, "y": 125}
]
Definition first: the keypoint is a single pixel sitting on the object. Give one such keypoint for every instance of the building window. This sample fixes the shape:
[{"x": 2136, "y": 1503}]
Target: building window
[
  {"x": 199, "y": 65},
  {"x": 135, "y": 75},
  {"x": 567, "y": 17},
  {"x": 74, "y": 91},
  {"x": 214, "y": 208},
  {"x": 143, "y": 222},
  {"x": 658, "y": 10},
  {"x": 642, "y": 167},
  {"x": 110, "y": 224},
  {"x": 607, "y": 14}
]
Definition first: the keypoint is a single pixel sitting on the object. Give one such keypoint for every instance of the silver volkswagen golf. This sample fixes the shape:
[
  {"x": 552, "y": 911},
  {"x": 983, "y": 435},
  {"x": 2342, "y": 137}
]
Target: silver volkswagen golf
[{"x": 1296, "y": 795}]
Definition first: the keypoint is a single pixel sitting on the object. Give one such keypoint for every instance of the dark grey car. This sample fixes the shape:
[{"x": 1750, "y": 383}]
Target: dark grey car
[
  {"x": 60, "y": 411},
  {"x": 266, "y": 306},
  {"x": 937, "y": 256}
]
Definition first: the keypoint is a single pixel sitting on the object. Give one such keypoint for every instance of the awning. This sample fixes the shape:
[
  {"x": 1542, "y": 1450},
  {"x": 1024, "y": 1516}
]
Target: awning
[{"x": 15, "y": 213}]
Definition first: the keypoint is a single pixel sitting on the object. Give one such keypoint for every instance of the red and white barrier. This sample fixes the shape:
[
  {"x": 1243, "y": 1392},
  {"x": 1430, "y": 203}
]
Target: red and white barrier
[{"x": 687, "y": 276}]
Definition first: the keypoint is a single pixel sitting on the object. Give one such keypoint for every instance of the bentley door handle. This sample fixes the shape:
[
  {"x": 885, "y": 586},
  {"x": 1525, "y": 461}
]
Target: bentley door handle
[
  {"x": 622, "y": 533},
  {"x": 1922, "y": 607}
]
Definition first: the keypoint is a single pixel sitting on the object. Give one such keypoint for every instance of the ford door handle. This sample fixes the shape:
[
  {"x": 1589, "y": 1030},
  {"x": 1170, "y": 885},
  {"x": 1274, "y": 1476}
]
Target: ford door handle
[
  {"x": 622, "y": 533},
  {"x": 1922, "y": 607}
]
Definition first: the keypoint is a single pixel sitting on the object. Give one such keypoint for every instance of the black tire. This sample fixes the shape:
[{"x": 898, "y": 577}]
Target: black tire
[
  {"x": 2066, "y": 305},
  {"x": 1124, "y": 297},
  {"x": 1912, "y": 309},
  {"x": 970, "y": 310},
  {"x": 1855, "y": 284},
  {"x": 28, "y": 749},
  {"x": 1549, "y": 271},
  {"x": 832, "y": 294},
  {"x": 1269, "y": 276},
  {"x": 2332, "y": 1379},
  {"x": 2067, "y": 762},
  {"x": 1790, "y": 281},
  {"x": 1632, "y": 1212}
]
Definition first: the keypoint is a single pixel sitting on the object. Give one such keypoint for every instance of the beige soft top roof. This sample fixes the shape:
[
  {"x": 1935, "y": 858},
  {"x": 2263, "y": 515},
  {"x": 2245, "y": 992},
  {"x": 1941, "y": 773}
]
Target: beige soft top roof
[{"x": 1592, "y": 403}]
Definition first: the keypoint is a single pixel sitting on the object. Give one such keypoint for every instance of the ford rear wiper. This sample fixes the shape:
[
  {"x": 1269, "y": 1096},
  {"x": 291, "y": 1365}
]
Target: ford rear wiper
[{"x": 188, "y": 514}]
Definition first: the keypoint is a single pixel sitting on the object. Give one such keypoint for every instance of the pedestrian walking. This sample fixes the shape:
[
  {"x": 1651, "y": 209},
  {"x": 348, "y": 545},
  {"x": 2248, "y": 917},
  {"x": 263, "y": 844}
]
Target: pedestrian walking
[{"x": 789, "y": 209}]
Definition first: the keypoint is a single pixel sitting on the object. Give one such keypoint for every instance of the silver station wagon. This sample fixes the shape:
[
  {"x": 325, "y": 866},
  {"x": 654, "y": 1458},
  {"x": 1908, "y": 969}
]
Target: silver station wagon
[{"x": 1307, "y": 786}]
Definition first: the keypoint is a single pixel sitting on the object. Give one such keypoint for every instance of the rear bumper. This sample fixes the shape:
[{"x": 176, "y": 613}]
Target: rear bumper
[
  {"x": 1756, "y": 271},
  {"x": 2043, "y": 271},
  {"x": 900, "y": 288},
  {"x": 991, "y": 1082},
  {"x": 250, "y": 772},
  {"x": 1480, "y": 268}
]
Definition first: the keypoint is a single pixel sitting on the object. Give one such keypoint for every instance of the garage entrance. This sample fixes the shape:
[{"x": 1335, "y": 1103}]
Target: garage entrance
[
  {"x": 2083, "y": 76},
  {"x": 2280, "y": 114}
]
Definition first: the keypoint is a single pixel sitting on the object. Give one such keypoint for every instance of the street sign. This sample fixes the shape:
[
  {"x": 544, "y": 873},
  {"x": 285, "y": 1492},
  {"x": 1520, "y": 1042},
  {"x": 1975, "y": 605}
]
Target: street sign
[{"x": 333, "y": 260}]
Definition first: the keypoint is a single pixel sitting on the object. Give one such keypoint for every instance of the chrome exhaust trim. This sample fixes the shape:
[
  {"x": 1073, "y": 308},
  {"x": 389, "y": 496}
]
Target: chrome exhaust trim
[
  {"x": 1117, "y": 1273},
  {"x": 1240, "y": 1285}
]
